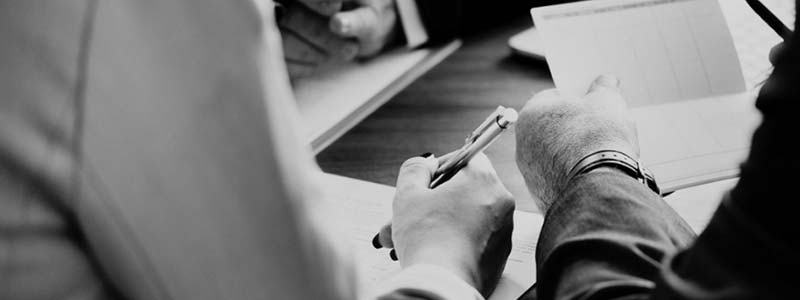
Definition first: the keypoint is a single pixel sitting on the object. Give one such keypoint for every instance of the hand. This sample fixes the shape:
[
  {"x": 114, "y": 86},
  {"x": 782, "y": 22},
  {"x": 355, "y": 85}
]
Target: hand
[
  {"x": 463, "y": 225},
  {"x": 776, "y": 52},
  {"x": 308, "y": 42},
  {"x": 372, "y": 22},
  {"x": 555, "y": 132},
  {"x": 317, "y": 32}
]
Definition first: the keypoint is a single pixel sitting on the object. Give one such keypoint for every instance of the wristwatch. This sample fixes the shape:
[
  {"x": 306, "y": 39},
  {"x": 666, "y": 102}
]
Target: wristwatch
[{"x": 617, "y": 160}]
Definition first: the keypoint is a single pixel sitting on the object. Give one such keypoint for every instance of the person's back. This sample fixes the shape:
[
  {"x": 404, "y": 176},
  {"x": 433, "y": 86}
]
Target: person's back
[
  {"x": 136, "y": 153},
  {"x": 150, "y": 150}
]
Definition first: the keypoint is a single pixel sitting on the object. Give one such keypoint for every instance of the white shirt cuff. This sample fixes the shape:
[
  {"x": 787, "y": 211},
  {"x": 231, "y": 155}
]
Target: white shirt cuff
[
  {"x": 411, "y": 20},
  {"x": 429, "y": 281}
]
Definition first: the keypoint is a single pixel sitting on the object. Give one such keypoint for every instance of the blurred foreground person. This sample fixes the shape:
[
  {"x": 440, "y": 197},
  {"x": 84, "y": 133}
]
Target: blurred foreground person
[{"x": 150, "y": 150}]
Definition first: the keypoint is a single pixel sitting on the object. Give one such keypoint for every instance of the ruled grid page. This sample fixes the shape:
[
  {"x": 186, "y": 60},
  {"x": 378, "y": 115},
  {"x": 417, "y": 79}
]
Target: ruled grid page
[{"x": 662, "y": 50}]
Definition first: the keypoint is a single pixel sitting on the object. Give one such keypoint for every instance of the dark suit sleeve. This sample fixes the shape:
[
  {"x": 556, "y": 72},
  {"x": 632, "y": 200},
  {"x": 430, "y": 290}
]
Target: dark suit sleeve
[
  {"x": 750, "y": 248},
  {"x": 607, "y": 237},
  {"x": 447, "y": 19}
]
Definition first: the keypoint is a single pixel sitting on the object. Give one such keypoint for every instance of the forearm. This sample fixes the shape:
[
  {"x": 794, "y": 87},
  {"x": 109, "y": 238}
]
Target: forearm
[{"x": 606, "y": 236}]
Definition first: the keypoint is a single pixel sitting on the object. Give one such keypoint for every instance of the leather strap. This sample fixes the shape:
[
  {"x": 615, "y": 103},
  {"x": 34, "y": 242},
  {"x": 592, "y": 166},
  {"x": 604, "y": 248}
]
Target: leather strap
[{"x": 618, "y": 160}]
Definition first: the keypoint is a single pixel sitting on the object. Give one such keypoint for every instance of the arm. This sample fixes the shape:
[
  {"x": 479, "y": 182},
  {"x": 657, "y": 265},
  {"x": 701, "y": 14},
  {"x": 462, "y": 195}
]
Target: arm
[
  {"x": 749, "y": 248},
  {"x": 607, "y": 236}
]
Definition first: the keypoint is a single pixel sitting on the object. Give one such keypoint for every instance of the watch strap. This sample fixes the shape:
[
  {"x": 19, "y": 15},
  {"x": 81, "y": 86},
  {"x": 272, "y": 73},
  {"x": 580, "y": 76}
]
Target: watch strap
[{"x": 618, "y": 160}]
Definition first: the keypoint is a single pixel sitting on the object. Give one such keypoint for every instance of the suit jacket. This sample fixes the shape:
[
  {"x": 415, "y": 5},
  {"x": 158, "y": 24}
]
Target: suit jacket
[
  {"x": 138, "y": 155},
  {"x": 444, "y": 20}
]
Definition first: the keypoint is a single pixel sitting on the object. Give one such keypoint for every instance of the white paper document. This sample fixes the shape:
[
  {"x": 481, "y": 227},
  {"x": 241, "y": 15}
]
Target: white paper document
[
  {"x": 364, "y": 207},
  {"x": 680, "y": 74},
  {"x": 661, "y": 50}
]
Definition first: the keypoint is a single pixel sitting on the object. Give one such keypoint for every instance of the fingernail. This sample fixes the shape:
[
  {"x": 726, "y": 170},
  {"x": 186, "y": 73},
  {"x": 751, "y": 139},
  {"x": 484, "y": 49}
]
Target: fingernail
[
  {"x": 340, "y": 25},
  {"x": 426, "y": 154},
  {"x": 393, "y": 255},
  {"x": 376, "y": 241}
]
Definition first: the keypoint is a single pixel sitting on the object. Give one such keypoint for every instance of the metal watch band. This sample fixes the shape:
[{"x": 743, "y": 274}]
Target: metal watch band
[{"x": 616, "y": 159}]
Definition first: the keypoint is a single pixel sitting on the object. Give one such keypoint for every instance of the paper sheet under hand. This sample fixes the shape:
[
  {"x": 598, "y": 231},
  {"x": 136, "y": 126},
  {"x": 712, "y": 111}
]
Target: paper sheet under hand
[{"x": 364, "y": 207}]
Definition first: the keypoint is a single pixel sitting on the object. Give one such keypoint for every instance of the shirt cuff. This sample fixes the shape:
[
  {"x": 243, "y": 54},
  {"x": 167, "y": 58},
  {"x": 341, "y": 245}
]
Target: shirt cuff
[
  {"x": 426, "y": 282},
  {"x": 411, "y": 20}
]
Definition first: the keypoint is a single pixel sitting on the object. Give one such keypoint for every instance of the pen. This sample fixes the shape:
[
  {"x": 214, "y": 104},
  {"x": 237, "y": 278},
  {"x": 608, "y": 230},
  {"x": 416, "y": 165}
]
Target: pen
[
  {"x": 770, "y": 19},
  {"x": 480, "y": 138},
  {"x": 477, "y": 141}
]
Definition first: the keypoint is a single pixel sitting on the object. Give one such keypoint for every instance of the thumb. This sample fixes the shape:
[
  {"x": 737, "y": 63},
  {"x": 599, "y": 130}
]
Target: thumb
[
  {"x": 604, "y": 82},
  {"x": 358, "y": 23},
  {"x": 416, "y": 173},
  {"x": 776, "y": 52}
]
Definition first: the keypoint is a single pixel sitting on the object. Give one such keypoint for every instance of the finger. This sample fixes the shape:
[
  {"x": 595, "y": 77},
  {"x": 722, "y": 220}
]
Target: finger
[
  {"x": 478, "y": 167},
  {"x": 313, "y": 30},
  {"x": 357, "y": 23},
  {"x": 604, "y": 82},
  {"x": 324, "y": 7},
  {"x": 480, "y": 163},
  {"x": 776, "y": 52},
  {"x": 604, "y": 93},
  {"x": 361, "y": 23},
  {"x": 298, "y": 51},
  {"x": 299, "y": 70},
  {"x": 416, "y": 173},
  {"x": 384, "y": 237}
]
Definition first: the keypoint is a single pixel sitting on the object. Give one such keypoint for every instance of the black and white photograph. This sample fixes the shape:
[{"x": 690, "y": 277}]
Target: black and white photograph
[{"x": 399, "y": 149}]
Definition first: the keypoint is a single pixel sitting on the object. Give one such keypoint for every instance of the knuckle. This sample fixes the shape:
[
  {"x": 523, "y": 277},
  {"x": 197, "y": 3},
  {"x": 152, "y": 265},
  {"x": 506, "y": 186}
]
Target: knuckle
[{"x": 413, "y": 164}]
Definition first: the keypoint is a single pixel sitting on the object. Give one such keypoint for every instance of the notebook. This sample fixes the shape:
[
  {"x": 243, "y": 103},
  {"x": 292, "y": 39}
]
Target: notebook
[
  {"x": 363, "y": 207},
  {"x": 680, "y": 74}
]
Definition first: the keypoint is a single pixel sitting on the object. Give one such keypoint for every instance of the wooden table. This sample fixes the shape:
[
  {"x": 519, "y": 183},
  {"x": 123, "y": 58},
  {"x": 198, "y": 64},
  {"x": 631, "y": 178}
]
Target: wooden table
[{"x": 435, "y": 113}]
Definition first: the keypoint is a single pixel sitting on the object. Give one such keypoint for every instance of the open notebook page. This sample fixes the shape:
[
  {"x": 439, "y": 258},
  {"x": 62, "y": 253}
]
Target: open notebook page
[
  {"x": 702, "y": 135},
  {"x": 363, "y": 207},
  {"x": 662, "y": 50}
]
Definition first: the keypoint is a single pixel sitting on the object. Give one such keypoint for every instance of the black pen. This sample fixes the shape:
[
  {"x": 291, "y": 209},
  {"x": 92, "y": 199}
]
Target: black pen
[{"x": 770, "y": 19}]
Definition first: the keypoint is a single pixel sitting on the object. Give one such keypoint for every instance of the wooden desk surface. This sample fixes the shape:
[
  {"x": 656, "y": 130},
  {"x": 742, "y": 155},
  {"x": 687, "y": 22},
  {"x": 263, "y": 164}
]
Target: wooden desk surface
[{"x": 435, "y": 113}]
